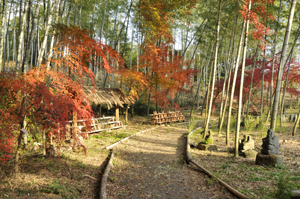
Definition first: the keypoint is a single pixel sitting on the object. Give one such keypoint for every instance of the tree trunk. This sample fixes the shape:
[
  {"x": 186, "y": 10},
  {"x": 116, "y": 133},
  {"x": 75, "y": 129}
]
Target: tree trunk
[
  {"x": 103, "y": 18},
  {"x": 3, "y": 29},
  {"x": 227, "y": 79},
  {"x": 250, "y": 89},
  {"x": 14, "y": 44},
  {"x": 126, "y": 114},
  {"x": 273, "y": 56},
  {"x": 262, "y": 87},
  {"x": 287, "y": 73},
  {"x": 43, "y": 47},
  {"x": 53, "y": 37},
  {"x": 281, "y": 66},
  {"x": 236, "y": 151},
  {"x": 233, "y": 84},
  {"x": 132, "y": 33},
  {"x": 127, "y": 15},
  {"x": 44, "y": 142},
  {"x": 296, "y": 124},
  {"x": 148, "y": 107},
  {"x": 214, "y": 70},
  {"x": 21, "y": 37},
  {"x": 69, "y": 12},
  {"x": 31, "y": 37}
]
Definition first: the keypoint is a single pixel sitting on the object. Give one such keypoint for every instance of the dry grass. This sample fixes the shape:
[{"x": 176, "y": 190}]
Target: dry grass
[
  {"x": 64, "y": 176},
  {"x": 253, "y": 180}
]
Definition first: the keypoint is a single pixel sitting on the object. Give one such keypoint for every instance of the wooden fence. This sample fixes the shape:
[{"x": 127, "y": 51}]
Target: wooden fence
[{"x": 169, "y": 117}]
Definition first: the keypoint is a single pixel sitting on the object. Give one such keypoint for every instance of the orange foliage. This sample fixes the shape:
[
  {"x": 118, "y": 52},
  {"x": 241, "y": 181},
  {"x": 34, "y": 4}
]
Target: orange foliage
[
  {"x": 165, "y": 76},
  {"x": 47, "y": 97},
  {"x": 258, "y": 13}
]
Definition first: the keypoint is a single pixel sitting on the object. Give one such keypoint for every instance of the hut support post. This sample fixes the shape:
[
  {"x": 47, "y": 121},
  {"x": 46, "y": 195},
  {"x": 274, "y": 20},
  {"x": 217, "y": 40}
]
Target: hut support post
[
  {"x": 44, "y": 142},
  {"x": 75, "y": 123},
  {"x": 117, "y": 113},
  {"x": 126, "y": 114}
]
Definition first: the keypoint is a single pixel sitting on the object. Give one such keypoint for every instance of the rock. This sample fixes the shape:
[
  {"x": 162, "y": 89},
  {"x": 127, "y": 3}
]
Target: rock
[
  {"x": 269, "y": 160},
  {"x": 247, "y": 143},
  {"x": 269, "y": 155},
  {"x": 207, "y": 147},
  {"x": 270, "y": 144},
  {"x": 249, "y": 154},
  {"x": 295, "y": 194},
  {"x": 209, "y": 138},
  {"x": 283, "y": 119},
  {"x": 284, "y": 112},
  {"x": 50, "y": 151},
  {"x": 243, "y": 123},
  {"x": 293, "y": 117}
]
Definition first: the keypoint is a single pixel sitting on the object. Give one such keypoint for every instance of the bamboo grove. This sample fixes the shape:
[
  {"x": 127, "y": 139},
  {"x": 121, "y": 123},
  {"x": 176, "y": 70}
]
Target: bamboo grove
[{"x": 226, "y": 55}]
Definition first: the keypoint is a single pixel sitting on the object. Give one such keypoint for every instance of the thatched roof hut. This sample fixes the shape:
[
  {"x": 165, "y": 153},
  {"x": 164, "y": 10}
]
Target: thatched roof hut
[{"x": 107, "y": 96}]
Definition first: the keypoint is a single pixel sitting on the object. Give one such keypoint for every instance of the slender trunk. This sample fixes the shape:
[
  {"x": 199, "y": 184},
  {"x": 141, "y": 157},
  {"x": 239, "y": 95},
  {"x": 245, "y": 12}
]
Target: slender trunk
[
  {"x": 233, "y": 84},
  {"x": 187, "y": 46},
  {"x": 148, "y": 107},
  {"x": 284, "y": 89},
  {"x": 132, "y": 33},
  {"x": 43, "y": 47},
  {"x": 126, "y": 114},
  {"x": 53, "y": 38},
  {"x": 31, "y": 37},
  {"x": 273, "y": 56},
  {"x": 195, "y": 98},
  {"x": 103, "y": 19},
  {"x": 26, "y": 41},
  {"x": 214, "y": 70},
  {"x": 127, "y": 15},
  {"x": 208, "y": 89},
  {"x": 21, "y": 36},
  {"x": 20, "y": 18},
  {"x": 236, "y": 152},
  {"x": 79, "y": 17},
  {"x": 208, "y": 86},
  {"x": 14, "y": 43},
  {"x": 125, "y": 41},
  {"x": 69, "y": 12},
  {"x": 226, "y": 79},
  {"x": 287, "y": 74},
  {"x": 3, "y": 29},
  {"x": 250, "y": 89},
  {"x": 262, "y": 87},
  {"x": 281, "y": 66},
  {"x": 296, "y": 124},
  {"x": 7, "y": 39}
]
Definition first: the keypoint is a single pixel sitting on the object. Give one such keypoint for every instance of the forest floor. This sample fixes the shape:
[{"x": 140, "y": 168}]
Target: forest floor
[
  {"x": 151, "y": 165},
  {"x": 243, "y": 174}
]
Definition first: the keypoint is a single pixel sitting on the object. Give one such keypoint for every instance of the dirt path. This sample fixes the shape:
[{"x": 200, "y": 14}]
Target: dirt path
[{"x": 151, "y": 165}]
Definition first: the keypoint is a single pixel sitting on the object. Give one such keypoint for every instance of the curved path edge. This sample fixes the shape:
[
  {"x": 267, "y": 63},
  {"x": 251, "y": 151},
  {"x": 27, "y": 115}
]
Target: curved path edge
[
  {"x": 189, "y": 159},
  {"x": 103, "y": 183}
]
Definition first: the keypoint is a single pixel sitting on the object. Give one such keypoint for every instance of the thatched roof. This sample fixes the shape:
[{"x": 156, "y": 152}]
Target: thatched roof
[{"x": 107, "y": 96}]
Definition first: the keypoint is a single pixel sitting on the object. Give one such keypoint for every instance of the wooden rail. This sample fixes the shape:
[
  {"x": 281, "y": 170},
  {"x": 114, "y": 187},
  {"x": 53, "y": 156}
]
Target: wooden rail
[
  {"x": 97, "y": 124},
  {"x": 169, "y": 117}
]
